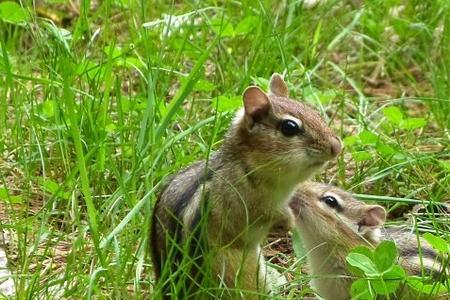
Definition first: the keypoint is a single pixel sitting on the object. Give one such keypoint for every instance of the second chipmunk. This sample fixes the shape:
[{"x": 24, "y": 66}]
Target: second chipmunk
[{"x": 331, "y": 222}]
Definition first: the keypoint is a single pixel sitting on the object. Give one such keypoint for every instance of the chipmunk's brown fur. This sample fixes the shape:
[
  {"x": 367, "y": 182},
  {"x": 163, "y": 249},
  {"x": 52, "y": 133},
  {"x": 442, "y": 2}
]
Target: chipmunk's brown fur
[
  {"x": 244, "y": 188},
  {"x": 329, "y": 231}
]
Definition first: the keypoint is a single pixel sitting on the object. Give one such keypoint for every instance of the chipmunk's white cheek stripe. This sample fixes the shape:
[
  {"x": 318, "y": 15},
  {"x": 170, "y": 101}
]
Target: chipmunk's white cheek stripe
[
  {"x": 376, "y": 234},
  {"x": 347, "y": 222}
]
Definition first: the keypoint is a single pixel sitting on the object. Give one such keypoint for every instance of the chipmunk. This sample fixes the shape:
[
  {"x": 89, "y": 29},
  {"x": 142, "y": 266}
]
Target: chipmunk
[
  {"x": 226, "y": 205},
  {"x": 331, "y": 222}
]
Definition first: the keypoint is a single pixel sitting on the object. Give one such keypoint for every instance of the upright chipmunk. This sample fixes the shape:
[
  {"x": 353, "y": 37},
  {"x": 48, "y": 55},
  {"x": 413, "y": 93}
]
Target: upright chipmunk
[
  {"x": 212, "y": 216},
  {"x": 331, "y": 222}
]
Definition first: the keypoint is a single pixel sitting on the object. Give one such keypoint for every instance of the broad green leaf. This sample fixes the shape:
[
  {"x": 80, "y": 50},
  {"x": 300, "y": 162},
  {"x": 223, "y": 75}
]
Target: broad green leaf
[
  {"x": 49, "y": 186},
  {"x": 3, "y": 193},
  {"x": 114, "y": 51},
  {"x": 54, "y": 188},
  {"x": 385, "y": 255},
  {"x": 202, "y": 85},
  {"x": 142, "y": 105},
  {"x": 48, "y": 108},
  {"x": 110, "y": 128},
  {"x": 362, "y": 155},
  {"x": 126, "y": 104},
  {"x": 133, "y": 62},
  {"x": 12, "y": 12},
  {"x": 312, "y": 94},
  {"x": 445, "y": 165},
  {"x": 351, "y": 140},
  {"x": 362, "y": 262},
  {"x": 413, "y": 123},
  {"x": 224, "y": 103},
  {"x": 400, "y": 156},
  {"x": 417, "y": 283},
  {"x": 390, "y": 281},
  {"x": 361, "y": 250},
  {"x": 368, "y": 138},
  {"x": 162, "y": 108},
  {"x": 393, "y": 114},
  {"x": 400, "y": 27},
  {"x": 133, "y": 104},
  {"x": 222, "y": 27},
  {"x": 396, "y": 273},
  {"x": 372, "y": 26},
  {"x": 437, "y": 242},
  {"x": 385, "y": 150},
  {"x": 247, "y": 25},
  {"x": 14, "y": 199},
  {"x": 388, "y": 128},
  {"x": 327, "y": 96},
  {"x": 364, "y": 251},
  {"x": 360, "y": 289},
  {"x": 11, "y": 199}
]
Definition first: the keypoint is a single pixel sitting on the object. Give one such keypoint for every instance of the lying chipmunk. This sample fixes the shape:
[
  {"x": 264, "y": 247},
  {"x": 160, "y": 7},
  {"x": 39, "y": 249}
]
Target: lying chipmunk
[{"x": 331, "y": 222}]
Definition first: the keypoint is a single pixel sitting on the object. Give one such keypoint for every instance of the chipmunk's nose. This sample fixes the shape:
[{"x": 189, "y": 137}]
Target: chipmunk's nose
[{"x": 336, "y": 146}]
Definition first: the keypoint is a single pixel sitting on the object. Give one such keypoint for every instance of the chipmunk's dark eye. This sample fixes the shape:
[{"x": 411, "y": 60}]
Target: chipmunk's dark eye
[
  {"x": 289, "y": 127},
  {"x": 330, "y": 201}
]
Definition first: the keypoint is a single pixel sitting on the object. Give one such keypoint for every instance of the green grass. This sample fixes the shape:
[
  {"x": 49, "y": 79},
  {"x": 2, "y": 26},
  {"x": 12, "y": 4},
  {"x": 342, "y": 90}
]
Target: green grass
[{"x": 95, "y": 116}]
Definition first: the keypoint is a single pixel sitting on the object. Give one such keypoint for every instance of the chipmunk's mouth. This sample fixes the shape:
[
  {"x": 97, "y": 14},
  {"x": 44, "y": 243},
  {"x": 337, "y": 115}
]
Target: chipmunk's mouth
[
  {"x": 317, "y": 157},
  {"x": 317, "y": 164},
  {"x": 320, "y": 155}
]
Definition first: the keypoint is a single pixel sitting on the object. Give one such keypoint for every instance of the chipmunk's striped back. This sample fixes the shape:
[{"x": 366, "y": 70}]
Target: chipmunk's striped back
[
  {"x": 169, "y": 224},
  {"x": 416, "y": 255}
]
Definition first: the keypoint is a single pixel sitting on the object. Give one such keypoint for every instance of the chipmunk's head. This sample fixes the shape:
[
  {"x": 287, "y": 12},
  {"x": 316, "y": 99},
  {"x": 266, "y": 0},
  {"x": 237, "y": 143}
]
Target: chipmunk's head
[
  {"x": 332, "y": 215},
  {"x": 286, "y": 134}
]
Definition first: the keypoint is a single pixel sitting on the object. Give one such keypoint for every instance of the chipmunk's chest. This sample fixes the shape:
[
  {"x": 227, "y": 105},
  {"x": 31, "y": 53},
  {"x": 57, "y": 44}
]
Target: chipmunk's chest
[
  {"x": 330, "y": 276},
  {"x": 260, "y": 225},
  {"x": 248, "y": 230},
  {"x": 246, "y": 213},
  {"x": 256, "y": 234}
]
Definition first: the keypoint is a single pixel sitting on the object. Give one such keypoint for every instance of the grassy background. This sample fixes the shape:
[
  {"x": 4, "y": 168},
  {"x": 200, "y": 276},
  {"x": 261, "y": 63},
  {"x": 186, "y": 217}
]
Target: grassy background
[{"x": 100, "y": 101}]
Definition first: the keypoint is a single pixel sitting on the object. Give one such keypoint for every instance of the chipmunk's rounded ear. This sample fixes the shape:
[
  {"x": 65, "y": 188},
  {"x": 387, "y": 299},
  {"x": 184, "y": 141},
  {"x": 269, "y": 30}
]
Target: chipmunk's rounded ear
[
  {"x": 256, "y": 103},
  {"x": 374, "y": 216},
  {"x": 277, "y": 86}
]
